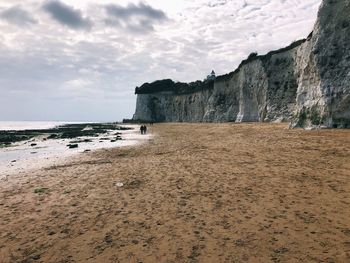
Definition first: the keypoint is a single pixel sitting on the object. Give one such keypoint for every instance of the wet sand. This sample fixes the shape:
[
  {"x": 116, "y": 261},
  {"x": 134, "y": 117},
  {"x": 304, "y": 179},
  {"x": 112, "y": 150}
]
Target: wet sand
[
  {"x": 23, "y": 156},
  {"x": 193, "y": 193}
]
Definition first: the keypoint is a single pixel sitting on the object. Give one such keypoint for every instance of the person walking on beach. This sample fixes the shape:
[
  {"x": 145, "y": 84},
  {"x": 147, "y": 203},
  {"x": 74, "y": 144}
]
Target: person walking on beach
[{"x": 141, "y": 129}]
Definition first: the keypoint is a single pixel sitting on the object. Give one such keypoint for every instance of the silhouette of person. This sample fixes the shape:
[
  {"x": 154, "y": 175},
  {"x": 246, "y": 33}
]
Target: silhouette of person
[{"x": 141, "y": 129}]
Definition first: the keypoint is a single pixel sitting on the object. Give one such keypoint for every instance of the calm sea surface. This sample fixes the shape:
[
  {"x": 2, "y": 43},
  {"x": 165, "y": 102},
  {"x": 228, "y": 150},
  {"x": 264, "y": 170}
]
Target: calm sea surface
[{"x": 25, "y": 125}]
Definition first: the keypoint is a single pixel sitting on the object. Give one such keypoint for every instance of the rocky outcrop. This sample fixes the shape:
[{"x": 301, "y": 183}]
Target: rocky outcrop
[
  {"x": 306, "y": 83},
  {"x": 323, "y": 96}
]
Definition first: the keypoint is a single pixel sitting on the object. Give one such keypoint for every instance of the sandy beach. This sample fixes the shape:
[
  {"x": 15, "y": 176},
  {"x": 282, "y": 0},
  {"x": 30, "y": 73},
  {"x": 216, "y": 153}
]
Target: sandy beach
[{"x": 192, "y": 193}]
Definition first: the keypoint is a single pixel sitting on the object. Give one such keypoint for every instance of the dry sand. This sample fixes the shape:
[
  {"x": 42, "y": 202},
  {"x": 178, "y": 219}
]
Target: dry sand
[{"x": 195, "y": 193}]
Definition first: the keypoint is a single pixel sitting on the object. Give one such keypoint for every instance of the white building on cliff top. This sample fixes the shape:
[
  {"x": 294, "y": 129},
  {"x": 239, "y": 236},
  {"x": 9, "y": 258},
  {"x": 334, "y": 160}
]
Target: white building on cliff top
[{"x": 211, "y": 76}]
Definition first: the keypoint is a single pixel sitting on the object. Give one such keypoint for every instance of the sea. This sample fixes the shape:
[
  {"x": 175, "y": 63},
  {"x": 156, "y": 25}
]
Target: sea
[
  {"x": 21, "y": 157},
  {"x": 27, "y": 125}
]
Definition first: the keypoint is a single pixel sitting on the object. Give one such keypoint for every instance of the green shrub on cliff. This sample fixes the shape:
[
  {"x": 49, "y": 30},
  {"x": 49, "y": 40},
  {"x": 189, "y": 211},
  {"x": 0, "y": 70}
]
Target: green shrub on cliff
[
  {"x": 175, "y": 87},
  {"x": 315, "y": 117},
  {"x": 308, "y": 114}
]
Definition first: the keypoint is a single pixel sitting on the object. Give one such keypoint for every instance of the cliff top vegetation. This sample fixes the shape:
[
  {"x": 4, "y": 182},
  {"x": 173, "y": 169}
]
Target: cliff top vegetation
[
  {"x": 186, "y": 88},
  {"x": 174, "y": 87}
]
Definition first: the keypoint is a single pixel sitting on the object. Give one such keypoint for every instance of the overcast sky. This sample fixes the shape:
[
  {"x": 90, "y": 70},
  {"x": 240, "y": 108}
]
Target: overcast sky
[{"x": 81, "y": 60}]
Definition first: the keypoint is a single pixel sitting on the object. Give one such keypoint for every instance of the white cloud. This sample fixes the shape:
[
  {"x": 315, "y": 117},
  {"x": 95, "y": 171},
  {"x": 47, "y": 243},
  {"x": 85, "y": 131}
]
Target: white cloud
[
  {"x": 78, "y": 84},
  {"x": 18, "y": 16}
]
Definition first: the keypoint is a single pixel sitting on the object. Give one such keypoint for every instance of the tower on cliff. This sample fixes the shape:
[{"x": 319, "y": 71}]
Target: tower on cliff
[{"x": 211, "y": 76}]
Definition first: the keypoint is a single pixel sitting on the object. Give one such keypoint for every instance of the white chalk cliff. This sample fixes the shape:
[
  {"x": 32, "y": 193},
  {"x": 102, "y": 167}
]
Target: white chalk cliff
[{"x": 307, "y": 83}]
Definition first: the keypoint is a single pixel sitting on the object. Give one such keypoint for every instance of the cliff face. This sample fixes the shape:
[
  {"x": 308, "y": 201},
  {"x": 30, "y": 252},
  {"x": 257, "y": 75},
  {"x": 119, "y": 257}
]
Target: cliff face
[
  {"x": 306, "y": 83},
  {"x": 323, "y": 95}
]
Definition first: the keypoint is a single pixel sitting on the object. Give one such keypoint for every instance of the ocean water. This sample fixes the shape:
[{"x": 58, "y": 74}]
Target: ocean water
[
  {"x": 21, "y": 156},
  {"x": 26, "y": 125}
]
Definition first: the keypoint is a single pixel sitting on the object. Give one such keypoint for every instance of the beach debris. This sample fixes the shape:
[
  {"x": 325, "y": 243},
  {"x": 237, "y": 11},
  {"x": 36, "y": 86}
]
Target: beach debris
[
  {"x": 119, "y": 184},
  {"x": 33, "y": 152},
  {"x": 13, "y": 161},
  {"x": 80, "y": 141},
  {"x": 118, "y": 138},
  {"x": 72, "y": 145},
  {"x": 87, "y": 150},
  {"x": 67, "y": 191},
  {"x": 108, "y": 238},
  {"x": 281, "y": 250},
  {"x": 36, "y": 257},
  {"x": 346, "y": 231},
  {"x": 50, "y": 233},
  {"x": 53, "y": 136},
  {"x": 33, "y": 144},
  {"x": 121, "y": 128},
  {"x": 40, "y": 190},
  {"x": 133, "y": 183}
]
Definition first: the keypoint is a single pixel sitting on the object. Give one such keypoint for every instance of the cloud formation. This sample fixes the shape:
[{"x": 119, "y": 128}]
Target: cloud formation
[
  {"x": 67, "y": 15},
  {"x": 136, "y": 18},
  {"x": 16, "y": 15}
]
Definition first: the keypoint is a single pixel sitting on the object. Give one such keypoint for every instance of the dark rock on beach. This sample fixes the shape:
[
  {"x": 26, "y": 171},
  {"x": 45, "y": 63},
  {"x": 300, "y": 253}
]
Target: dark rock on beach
[
  {"x": 72, "y": 146},
  {"x": 68, "y": 131},
  {"x": 80, "y": 141},
  {"x": 52, "y": 136}
]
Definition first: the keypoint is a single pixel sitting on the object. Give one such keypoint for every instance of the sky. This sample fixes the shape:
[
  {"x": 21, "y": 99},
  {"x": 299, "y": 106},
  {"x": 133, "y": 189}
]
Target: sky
[{"x": 70, "y": 60}]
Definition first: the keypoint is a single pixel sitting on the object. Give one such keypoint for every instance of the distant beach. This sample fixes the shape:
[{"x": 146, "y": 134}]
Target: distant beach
[{"x": 41, "y": 148}]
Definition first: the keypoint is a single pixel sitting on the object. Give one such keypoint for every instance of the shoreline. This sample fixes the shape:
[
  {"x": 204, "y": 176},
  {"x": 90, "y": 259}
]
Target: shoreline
[
  {"x": 195, "y": 193},
  {"x": 22, "y": 157}
]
